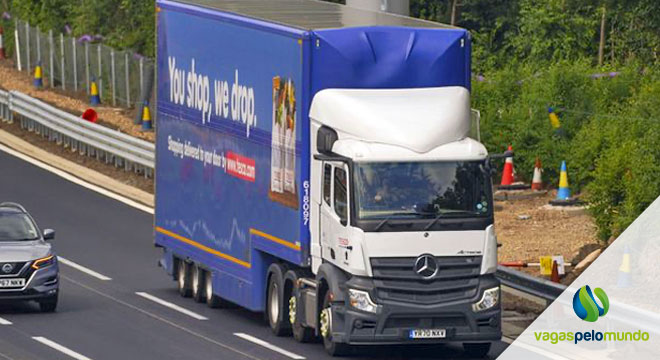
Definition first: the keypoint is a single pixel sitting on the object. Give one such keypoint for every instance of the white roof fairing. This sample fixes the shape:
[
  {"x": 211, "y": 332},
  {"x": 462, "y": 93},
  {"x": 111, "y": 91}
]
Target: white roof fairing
[{"x": 416, "y": 119}]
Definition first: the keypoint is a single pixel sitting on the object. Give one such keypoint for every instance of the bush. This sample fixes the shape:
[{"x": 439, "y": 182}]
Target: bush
[{"x": 610, "y": 132}]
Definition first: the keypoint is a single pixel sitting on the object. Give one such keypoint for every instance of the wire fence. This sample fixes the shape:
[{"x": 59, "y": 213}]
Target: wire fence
[{"x": 72, "y": 63}]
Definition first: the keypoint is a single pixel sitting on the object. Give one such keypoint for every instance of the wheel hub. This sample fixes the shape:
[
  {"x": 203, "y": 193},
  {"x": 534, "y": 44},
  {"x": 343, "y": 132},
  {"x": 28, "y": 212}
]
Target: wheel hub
[
  {"x": 292, "y": 310},
  {"x": 274, "y": 304},
  {"x": 326, "y": 322}
]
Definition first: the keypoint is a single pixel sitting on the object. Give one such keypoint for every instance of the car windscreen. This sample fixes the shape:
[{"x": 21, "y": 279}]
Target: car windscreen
[
  {"x": 421, "y": 189},
  {"x": 17, "y": 227}
]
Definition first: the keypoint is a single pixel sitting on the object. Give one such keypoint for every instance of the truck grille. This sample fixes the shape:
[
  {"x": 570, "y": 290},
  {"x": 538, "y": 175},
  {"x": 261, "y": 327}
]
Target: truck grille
[
  {"x": 395, "y": 279},
  {"x": 16, "y": 268}
]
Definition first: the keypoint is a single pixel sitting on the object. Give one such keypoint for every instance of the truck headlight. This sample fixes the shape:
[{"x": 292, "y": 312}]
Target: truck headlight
[
  {"x": 490, "y": 298},
  {"x": 362, "y": 301}
]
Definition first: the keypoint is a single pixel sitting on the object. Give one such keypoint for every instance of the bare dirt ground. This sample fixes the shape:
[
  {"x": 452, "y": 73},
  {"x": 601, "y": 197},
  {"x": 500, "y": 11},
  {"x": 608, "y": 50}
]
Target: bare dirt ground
[
  {"x": 544, "y": 233},
  {"x": 75, "y": 103}
]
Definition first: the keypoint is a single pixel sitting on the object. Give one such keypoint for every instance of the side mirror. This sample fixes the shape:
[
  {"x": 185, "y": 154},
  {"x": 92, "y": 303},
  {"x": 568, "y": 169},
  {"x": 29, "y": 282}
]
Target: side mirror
[
  {"x": 489, "y": 167},
  {"x": 49, "y": 234},
  {"x": 325, "y": 138}
]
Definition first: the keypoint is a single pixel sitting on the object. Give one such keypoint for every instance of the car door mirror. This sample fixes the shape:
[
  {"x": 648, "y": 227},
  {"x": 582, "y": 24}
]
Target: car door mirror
[{"x": 49, "y": 234}]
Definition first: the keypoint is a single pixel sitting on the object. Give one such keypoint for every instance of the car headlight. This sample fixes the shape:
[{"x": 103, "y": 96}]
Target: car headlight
[
  {"x": 362, "y": 301},
  {"x": 43, "y": 262},
  {"x": 490, "y": 298}
]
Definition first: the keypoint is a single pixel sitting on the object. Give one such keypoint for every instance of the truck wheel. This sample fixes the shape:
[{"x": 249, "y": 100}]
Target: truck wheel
[
  {"x": 198, "y": 284},
  {"x": 301, "y": 333},
  {"x": 183, "y": 279},
  {"x": 478, "y": 350},
  {"x": 277, "y": 310},
  {"x": 325, "y": 328},
  {"x": 48, "y": 304},
  {"x": 212, "y": 300}
]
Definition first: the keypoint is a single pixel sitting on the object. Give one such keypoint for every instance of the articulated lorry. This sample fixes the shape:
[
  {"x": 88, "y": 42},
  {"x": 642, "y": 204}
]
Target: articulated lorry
[{"x": 314, "y": 162}]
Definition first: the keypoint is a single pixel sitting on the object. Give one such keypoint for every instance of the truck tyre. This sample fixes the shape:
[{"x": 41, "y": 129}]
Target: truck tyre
[
  {"x": 198, "y": 284},
  {"x": 277, "y": 309},
  {"x": 48, "y": 304},
  {"x": 325, "y": 329},
  {"x": 477, "y": 350},
  {"x": 183, "y": 279},
  {"x": 212, "y": 300},
  {"x": 301, "y": 333}
]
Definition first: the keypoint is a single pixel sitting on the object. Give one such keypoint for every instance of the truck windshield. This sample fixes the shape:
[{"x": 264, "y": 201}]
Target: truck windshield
[
  {"x": 399, "y": 190},
  {"x": 17, "y": 227}
]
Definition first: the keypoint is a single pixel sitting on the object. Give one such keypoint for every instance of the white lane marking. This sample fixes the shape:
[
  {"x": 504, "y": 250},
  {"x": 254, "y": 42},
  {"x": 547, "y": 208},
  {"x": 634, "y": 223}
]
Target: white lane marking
[
  {"x": 60, "y": 348},
  {"x": 87, "y": 271},
  {"x": 171, "y": 306},
  {"x": 75, "y": 180},
  {"x": 268, "y": 345},
  {"x": 4, "y": 322}
]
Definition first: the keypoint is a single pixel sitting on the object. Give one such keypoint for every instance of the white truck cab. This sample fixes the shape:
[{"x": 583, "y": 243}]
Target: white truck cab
[{"x": 402, "y": 205}]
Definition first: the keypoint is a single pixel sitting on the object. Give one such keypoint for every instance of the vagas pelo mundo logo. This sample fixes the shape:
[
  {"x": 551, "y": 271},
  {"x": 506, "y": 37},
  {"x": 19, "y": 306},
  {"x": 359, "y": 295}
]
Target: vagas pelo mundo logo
[{"x": 588, "y": 309}]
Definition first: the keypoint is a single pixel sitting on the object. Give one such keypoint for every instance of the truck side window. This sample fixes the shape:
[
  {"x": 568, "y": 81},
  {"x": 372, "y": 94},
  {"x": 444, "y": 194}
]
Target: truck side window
[
  {"x": 327, "y": 183},
  {"x": 340, "y": 201}
]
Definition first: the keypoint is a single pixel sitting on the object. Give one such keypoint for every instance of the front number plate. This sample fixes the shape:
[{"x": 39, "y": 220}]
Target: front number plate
[
  {"x": 428, "y": 334},
  {"x": 10, "y": 283}
]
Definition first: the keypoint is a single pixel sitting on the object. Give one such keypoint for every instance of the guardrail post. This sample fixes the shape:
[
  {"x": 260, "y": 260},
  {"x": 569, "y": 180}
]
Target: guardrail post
[
  {"x": 51, "y": 57},
  {"x": 75, "y": 65},
  {"x": 62, "y": 61},
  {"x": 87, "y": 65},
  {"x": 112, "y": 75},
  {"x": 100, "y": 77},
  {"x": 128, "y": 84},
  {"x": 27, "y": 48}
]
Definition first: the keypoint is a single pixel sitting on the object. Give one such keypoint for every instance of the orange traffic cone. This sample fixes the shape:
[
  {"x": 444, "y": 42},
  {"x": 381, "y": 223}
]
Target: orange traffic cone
[
  {"x": 537, "y": 182},
  {"x": 554, "y": 277},
  {"x": 507, "y": 173},
  {"x": 3, "y": 55}
]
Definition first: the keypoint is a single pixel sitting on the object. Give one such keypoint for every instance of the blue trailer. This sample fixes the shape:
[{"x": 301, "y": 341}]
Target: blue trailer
[{"x": 267, "y": 113}]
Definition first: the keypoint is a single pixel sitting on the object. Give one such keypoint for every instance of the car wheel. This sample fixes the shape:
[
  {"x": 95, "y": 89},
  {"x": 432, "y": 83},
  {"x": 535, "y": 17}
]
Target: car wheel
[
  {"x": 325, "y": 328},
  {"x": 198, "y": 284},
  {"x": 477, "y": 350},
  {"x": 48, "y": 304},
  {"x": 183, "y": 279}
]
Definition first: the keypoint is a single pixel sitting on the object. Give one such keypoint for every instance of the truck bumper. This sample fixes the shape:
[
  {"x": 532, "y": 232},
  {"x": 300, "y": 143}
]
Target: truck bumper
[{"x": 395, "y": 320}]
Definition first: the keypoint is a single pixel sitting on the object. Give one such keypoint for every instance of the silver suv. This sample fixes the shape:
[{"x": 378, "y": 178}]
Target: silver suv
[{"x": 28, "y": 266}]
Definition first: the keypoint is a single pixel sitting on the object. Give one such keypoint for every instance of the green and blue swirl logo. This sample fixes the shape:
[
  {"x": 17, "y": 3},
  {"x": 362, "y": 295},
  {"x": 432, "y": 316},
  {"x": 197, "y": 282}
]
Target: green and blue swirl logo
[{"x": 585, "y": 305}]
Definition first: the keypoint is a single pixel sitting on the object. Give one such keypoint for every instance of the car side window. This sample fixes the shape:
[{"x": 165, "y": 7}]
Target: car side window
[
  {"x": 327, "y": 183},
  {"x": 341, "y": 195}
]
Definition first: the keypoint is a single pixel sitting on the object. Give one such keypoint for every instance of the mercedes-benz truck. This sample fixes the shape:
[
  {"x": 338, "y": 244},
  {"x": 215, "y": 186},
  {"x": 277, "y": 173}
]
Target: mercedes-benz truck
[{"x": 314, "y": 162}]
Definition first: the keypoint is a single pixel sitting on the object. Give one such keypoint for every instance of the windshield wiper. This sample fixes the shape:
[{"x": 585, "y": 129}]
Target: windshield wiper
[
  {"x": 389, "y": 217},
  {"x": 441, "y": 214}
]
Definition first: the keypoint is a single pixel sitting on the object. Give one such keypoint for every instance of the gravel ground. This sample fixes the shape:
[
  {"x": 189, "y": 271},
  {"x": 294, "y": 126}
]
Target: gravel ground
[
  {"x": 75, "y": 103},
  {"x": 546, "y": 232}
]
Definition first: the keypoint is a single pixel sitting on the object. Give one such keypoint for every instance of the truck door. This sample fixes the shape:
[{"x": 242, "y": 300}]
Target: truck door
[{"x": 335, "y": 214}]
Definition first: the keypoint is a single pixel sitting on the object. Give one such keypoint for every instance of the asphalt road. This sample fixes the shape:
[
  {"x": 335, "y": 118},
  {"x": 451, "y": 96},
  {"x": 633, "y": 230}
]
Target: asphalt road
[{"x": 106, "y": 319}]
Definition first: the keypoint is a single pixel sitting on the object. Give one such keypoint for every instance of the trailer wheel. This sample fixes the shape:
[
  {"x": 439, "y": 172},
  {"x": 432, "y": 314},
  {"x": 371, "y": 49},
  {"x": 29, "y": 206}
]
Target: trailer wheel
[
  {"x": 277, "y": 309},
  {"x": 325, "y": 328},
  {"x": 198, "y": 284},
  {"x": 478, "y": 350},
  {"x": 183, "y": 279},
  {"x": 212, "y": 300}
]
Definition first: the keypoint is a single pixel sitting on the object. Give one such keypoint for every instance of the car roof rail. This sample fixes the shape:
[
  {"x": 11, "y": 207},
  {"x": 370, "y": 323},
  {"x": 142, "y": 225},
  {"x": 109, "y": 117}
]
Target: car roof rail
[{"x": 14, "y": 205}]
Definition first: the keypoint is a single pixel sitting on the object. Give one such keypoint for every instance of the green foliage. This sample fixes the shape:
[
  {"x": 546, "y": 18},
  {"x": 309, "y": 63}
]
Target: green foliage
[
  {"x": 124, "y": 24},
  {"x": 610, "y": 134}
]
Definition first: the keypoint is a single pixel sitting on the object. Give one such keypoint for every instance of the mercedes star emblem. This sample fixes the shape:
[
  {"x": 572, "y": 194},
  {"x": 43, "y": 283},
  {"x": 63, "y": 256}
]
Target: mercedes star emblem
[
  {"x": 426, "y": 266},
  {"x": 7, "y": 268}
]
